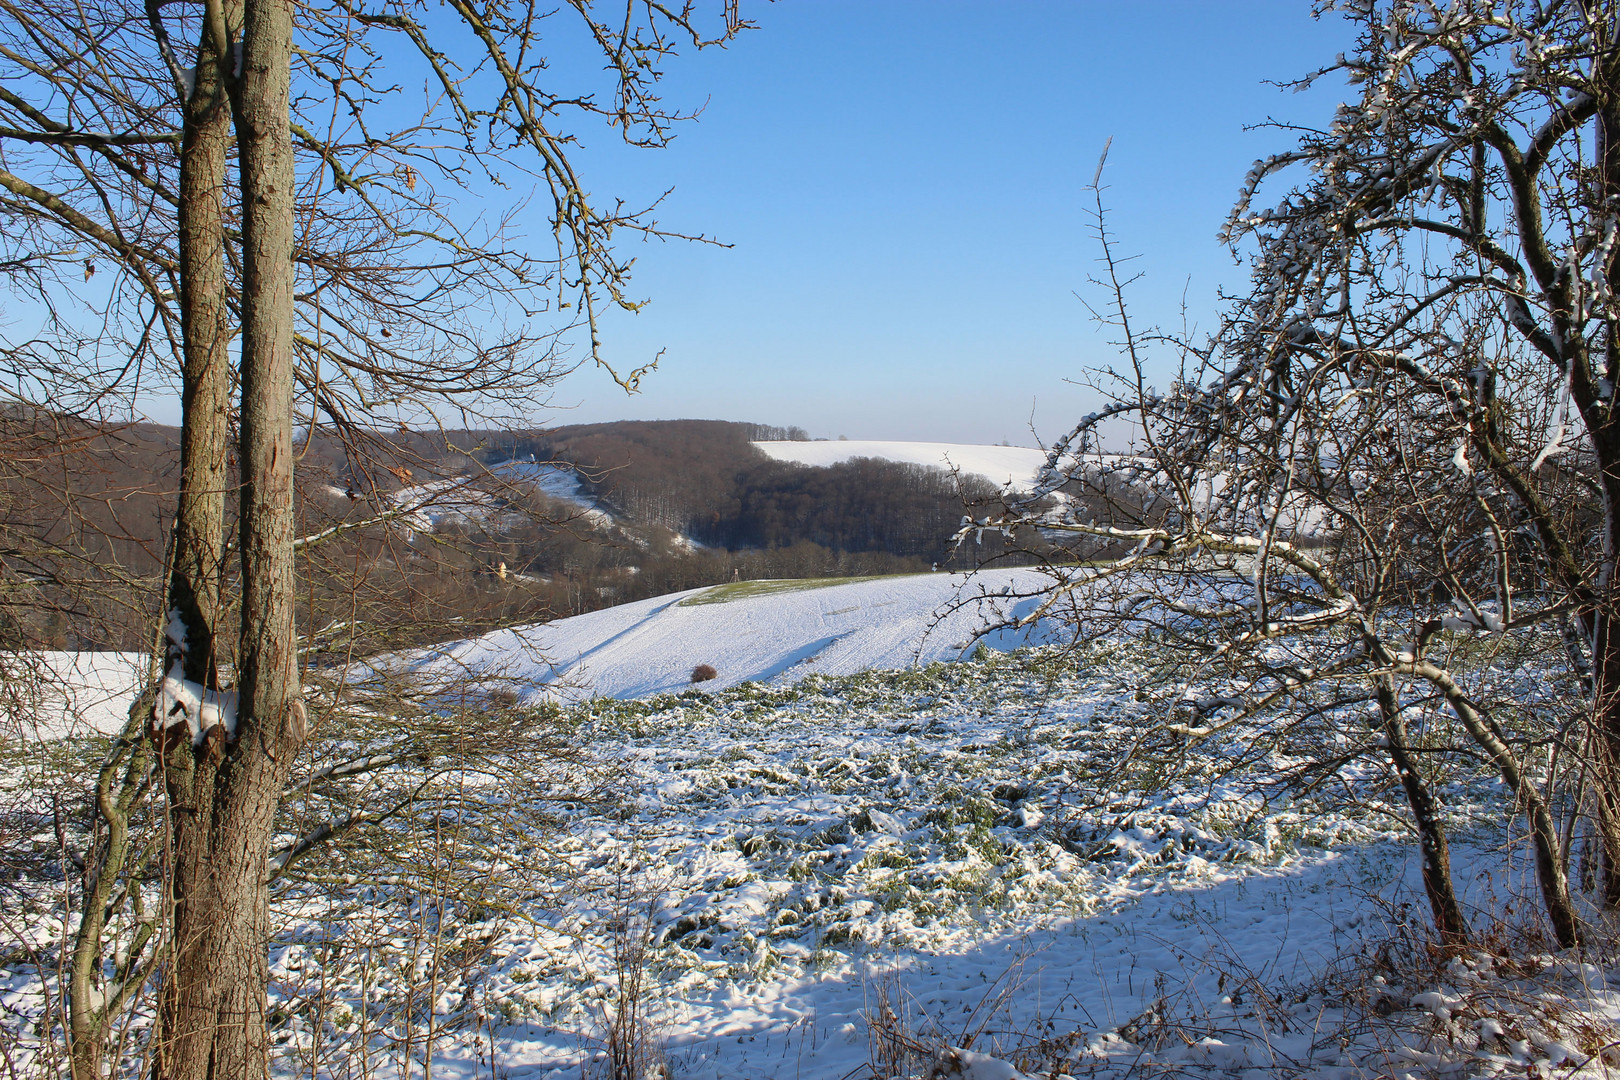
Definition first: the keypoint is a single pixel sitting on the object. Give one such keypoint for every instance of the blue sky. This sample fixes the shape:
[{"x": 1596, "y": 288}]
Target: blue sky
[{"x": 903, "y": 186}]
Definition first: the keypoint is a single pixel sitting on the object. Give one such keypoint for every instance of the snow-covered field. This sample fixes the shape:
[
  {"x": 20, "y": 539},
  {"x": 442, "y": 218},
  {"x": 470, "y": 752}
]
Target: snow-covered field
[
  {"x": 1012, "y": 466},
  {"x": 845, "y": 876},
  {"x": 760, "y": 631},
  {"x": 842, "y": 875},
  {"x": 559, "y": 481}
]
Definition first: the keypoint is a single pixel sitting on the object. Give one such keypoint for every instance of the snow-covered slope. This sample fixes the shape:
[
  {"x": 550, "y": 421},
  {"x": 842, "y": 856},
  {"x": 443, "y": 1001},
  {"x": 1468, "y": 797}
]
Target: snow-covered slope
[
  {"x": 1015, "y": 466},
  {"x": 56, "y": 694},
  {"x": 767, "y": 631},
  {"x": 752, "y": 630},
  {"x": 478, "y": 500},
  {"x": 558, "y": 481}
]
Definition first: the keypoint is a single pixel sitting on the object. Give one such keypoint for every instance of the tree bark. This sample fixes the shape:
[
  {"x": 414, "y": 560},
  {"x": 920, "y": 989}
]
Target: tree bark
[
  {"x": 1543, "y": 830},
  {"x": 1449, "y": 920},
  {"x": 219, "y": 971},
  {"x": 195, "y": 581},
  {"x": 187, "y": 1010},
  {"x": 1603, "y": 429}
]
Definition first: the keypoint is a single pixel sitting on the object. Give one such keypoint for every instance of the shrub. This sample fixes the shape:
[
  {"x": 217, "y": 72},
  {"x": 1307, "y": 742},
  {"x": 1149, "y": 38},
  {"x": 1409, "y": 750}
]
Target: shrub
[{"x": 703, "y": 673}]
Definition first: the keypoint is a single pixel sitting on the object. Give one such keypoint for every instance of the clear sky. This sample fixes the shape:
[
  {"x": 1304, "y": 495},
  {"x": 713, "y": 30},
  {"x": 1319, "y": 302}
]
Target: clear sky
[
  {"x": 902, "y": 186},
  {"x": 903, "y": 183}
]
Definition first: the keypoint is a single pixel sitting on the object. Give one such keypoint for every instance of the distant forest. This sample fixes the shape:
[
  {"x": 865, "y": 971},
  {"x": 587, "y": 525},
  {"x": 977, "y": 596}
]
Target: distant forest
[
  {"x": 703, "y": 479},
  {"x": 692, "y": 502}
]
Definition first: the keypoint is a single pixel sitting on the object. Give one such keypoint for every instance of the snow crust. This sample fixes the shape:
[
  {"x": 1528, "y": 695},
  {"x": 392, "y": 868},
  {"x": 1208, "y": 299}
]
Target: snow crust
[
  {"x": 183, "y": 702},
  {"x": 200, "y": 710}
]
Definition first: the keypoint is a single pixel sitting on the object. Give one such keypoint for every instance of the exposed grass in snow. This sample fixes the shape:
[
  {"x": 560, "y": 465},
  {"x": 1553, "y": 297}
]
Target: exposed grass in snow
[
  {"x": 741, "y": 590},
  {"x": 1011, "y": 852}
]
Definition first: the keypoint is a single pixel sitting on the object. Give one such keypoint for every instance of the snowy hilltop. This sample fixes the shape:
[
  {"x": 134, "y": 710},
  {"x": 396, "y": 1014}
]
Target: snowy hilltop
[{"x": 1005, "y": 466}]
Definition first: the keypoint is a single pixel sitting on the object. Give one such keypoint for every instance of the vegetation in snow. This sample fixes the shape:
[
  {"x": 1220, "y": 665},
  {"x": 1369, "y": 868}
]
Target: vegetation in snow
[{"x": 754, "y": 844}]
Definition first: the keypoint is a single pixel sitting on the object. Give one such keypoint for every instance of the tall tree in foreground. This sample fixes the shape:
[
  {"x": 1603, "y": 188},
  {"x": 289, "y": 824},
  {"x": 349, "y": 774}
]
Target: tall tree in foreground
[
  {"x": 223, "y": 813},
  {"x": 361, "y": 295},
  {"x": 1402, "y": 447}
]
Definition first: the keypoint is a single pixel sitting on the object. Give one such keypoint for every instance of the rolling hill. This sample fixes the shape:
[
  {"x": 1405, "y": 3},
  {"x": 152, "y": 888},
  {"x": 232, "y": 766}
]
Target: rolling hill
[{"x": 762, "y": 631}]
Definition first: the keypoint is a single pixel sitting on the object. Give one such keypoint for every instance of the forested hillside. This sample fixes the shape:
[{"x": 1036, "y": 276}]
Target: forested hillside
[
  {"x": 439, "y": 525},
  {"x": 704, "y": 479}
]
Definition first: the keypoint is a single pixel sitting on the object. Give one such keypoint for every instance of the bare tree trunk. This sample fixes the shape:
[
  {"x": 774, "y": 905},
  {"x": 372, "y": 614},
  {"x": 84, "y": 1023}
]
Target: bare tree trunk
[
  {"x": 191, "y": 775},
  {"x": 199, "y": 536},
  {"x": 1448, "y": 917},
  {"x": 194, "y": 589},
  {"x": 1603, "y": 428},
  {"x": 268, "y": 659},
  {"x": 1543, "y": 830},
  {"x": 1606, "y": 767},
  {"x": 219, "y": 971}
]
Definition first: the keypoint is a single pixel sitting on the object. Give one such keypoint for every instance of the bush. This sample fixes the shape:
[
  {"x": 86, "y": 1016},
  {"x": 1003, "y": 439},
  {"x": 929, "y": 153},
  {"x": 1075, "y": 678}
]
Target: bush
[{"x": 703, "y": 673}]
